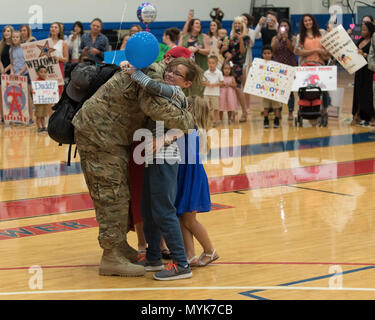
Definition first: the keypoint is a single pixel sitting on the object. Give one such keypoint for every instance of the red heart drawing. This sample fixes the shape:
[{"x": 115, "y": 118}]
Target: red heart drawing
[{"x": 352, "y": 26}]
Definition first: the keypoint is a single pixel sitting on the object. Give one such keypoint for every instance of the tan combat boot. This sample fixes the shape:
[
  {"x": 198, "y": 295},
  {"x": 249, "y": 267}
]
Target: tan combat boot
[
  {"x": 114, "y": 264},
  {"x": 128, "y": 252}
]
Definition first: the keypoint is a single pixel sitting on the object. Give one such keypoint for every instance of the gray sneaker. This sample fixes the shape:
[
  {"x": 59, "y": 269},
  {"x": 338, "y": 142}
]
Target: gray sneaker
[
  {"x": 174, "y": 271},
  {"x": 153, "y": 265}
]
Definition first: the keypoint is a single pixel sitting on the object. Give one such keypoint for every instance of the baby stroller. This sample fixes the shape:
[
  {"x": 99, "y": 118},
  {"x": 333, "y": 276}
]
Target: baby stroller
[{"x": 310, "y": 106}]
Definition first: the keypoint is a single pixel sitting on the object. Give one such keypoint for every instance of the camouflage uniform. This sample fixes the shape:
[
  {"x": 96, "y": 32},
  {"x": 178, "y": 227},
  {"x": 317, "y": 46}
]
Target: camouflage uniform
[{"x": 104, "y": 129}]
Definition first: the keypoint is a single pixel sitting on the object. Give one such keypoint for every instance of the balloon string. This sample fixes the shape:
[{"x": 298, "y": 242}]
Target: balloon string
[{"x": 119, "y": 32}]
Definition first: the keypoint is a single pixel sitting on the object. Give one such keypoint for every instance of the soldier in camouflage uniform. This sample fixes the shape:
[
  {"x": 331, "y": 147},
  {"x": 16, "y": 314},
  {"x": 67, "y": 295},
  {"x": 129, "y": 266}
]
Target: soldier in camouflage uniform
[{"x": 104, "y": 128}]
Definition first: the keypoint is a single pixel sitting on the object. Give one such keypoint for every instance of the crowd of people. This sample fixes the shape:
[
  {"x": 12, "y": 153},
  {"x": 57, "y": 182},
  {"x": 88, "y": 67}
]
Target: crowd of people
[
  {"x": 301, "y": 48},
  {"x": 199, "y": 77}
]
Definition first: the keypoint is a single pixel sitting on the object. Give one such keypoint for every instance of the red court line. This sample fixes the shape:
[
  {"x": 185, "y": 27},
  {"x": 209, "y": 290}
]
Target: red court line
[
  {"x": 214, "y": 263},
  {"x": 80, "y": 202},
  {"x": 268, "y": 179}
]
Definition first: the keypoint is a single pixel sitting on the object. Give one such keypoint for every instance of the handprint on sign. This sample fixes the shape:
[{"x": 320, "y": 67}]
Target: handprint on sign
[{"x": 14, "y": 93}]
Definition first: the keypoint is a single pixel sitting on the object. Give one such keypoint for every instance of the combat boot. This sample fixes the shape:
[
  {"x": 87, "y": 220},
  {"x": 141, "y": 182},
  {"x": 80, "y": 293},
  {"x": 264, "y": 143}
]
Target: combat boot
[
  {"x": 128, "y": 252},
  {"x": 113, "y": 263}
]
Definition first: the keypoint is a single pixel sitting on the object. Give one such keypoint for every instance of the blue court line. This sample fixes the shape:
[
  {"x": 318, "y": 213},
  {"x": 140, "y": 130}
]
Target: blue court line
[
  {"x": 292, "y": 145},
  {"x": 250, "y": 294},
  {"x": 54, "y": 170}
]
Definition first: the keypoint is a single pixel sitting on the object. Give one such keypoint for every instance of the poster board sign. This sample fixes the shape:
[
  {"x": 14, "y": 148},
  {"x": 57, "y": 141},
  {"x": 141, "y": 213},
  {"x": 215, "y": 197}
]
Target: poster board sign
[
  {"x": 339, "y": 44},
  {"x": 270, "y": 80},
  {"x": 42, "y": 53},
  {"x": 324, "y": 77},
  {"x": 14, "y": 91},
  {"x": 45, "y": 92}
]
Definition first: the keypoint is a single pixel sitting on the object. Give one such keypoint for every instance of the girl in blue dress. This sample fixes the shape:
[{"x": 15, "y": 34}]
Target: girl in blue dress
[{"x": 193, "y": 193}]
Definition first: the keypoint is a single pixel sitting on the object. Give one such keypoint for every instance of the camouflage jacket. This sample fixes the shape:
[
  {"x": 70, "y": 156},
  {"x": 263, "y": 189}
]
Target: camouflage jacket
[{"x": 120, "y": 107}]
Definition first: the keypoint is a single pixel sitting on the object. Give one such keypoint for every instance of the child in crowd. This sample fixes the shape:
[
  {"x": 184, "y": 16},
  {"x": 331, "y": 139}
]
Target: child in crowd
[
  {"x": 214, "y": 79},
  {"x": 228, "y": 97},
  {"x": 267, "y": 103},
  {"x": 18, "y": 67},
  {"x": 41, "y": 110}
]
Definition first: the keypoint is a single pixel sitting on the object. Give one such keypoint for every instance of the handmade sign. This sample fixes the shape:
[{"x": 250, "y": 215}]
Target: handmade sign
[
  {"x": 324, "y": 77},
  {"x": 14, "y": 94},
  {"x": 342, "y": 48},
  {"x": 45, "y": 92},
  {"x": 270, "y": 80},
  {"x": 42, "y": 53}
]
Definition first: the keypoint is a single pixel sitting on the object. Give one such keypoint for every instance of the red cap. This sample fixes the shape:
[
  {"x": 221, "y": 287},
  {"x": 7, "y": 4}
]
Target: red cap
[{"x": 178, "y": 52}]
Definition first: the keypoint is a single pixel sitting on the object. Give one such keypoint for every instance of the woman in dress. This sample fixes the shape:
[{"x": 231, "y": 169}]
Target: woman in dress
[
  {"x": 363, "y": 105},
  {"x": 238, "y": 42}
]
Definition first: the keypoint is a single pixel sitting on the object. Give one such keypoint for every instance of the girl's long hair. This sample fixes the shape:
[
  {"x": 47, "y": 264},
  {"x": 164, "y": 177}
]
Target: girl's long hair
[{"x": 3, "y": 41}]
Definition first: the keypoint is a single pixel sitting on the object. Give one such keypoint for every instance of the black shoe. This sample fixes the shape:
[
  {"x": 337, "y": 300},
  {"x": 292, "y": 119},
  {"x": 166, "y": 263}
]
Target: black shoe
[
  {"x": 266, "y": 123},
  {"x": 276, "y": 123}
]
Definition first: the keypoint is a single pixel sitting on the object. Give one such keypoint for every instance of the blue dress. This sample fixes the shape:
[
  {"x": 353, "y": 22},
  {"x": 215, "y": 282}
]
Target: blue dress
[{"x": 193, "y": 193}]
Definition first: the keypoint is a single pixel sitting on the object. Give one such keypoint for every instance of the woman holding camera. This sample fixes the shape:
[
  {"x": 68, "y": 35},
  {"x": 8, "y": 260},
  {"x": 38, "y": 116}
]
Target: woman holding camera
[
  {"x": 283, "y": 45},
  {"x": 238, "y": 42}
]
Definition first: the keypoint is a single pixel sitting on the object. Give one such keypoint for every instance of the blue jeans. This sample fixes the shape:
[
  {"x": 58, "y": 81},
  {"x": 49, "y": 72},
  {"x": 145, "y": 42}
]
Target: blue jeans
[{"x": 159, "y": 191}]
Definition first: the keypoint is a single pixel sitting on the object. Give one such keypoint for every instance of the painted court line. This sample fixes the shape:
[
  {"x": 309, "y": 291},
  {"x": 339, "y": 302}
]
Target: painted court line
[
  {"x": 11, "y": 210},
  {"x": 287, "y": 288},
  {"x": 59, "y": 169}
]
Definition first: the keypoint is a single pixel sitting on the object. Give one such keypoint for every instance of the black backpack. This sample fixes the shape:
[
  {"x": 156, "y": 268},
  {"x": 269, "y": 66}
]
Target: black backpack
[{"x": 60, "y": 127}]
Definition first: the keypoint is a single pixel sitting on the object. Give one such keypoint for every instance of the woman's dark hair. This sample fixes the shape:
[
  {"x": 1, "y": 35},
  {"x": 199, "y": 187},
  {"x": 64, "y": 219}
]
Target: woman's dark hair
[
  {"x": 250, "y": 19},
  {"x": 173, "y": 33},
  {"x": 370, "y": 27},
  {"x": 190, "y": 25},
  {"x": 219, "y": 26},
  {"x": 80, "y": 25},
  {"x": 303, "y": 30},
  {"x": 368, "y": 16},
  {"x": 290, "y": 34}
]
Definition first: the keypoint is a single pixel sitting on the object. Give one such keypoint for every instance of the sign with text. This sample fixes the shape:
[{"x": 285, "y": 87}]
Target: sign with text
[
  {"x": 324, "y": 77},
  {"x": 42, "y": 53},
  {"x": 270, "y": 80},
  {"x": 15, "y": 102},
  {"x": 45, "y": 92},
  {"x": 339, "y": 44}
]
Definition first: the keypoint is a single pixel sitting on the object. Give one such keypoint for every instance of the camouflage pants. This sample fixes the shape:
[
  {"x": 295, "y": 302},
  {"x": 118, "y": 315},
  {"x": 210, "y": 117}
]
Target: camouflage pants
[{"x": 106, "y": 175}]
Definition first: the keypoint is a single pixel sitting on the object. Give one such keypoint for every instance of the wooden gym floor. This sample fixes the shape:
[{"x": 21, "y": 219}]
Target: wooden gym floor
[{"x": 293, "y": 218}]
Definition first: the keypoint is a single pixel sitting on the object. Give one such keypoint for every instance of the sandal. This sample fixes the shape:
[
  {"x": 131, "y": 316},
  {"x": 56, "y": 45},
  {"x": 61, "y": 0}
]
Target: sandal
[
  {"x": 213, "y": 256},
  {"x": 193, "y": 262}
]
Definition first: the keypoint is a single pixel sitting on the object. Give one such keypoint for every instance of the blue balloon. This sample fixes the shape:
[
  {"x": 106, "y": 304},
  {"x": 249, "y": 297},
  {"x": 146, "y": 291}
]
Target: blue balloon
[{"x": 142, "y": 49}]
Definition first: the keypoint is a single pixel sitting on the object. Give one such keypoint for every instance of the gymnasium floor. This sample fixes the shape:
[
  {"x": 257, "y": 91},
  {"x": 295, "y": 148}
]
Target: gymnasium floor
[{"x": 293, "y": 218}]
